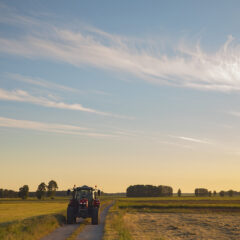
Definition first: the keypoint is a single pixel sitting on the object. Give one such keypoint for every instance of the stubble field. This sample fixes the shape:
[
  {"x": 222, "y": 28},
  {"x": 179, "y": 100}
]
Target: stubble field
[{"x": 174, "y": 218}]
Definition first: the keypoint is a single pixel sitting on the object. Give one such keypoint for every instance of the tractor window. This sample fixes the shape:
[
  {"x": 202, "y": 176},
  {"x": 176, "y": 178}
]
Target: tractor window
[{"x": 83, "y": 194}]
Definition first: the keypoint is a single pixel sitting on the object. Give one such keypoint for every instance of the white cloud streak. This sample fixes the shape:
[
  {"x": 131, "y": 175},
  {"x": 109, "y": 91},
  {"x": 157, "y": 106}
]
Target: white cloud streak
[
  {"x": 49, "y": 85},
  {"x": 23, "y": 96},
  {"x": 189, "y": 67},
  {"x": 39, "y": 82},
  {"x": 190, "y": 139},
  {"x": 50, "y": 127}
]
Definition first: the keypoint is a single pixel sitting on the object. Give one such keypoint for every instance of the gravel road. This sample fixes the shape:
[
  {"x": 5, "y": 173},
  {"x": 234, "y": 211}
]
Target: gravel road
[
  {"x": 90, "y": 232},
  {"x": 94, "y": 232}
]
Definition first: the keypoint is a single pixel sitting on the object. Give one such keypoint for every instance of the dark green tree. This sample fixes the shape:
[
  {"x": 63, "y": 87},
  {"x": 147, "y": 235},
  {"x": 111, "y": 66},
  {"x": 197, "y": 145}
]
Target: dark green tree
[
  {"x": 230, "y": 193},
  {"x": 179, "y": 193},
  {"x": 221, "y": 193},
  {"x": 41, "y": 191},
  {"x": 1, "y": 193},
  {"x": 23, "y": 192},
  {"x": 210, "y": 193},
  {"x": 52, "y": 188},
  {"x": 214, "y": 193}
]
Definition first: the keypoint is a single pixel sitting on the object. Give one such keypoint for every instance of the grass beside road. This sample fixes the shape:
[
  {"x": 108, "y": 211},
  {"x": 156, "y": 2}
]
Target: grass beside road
[
  {"x": 115, "y": 227},
  {"x": 31, "y": 228},
  {"x": 30, "y": 219}
]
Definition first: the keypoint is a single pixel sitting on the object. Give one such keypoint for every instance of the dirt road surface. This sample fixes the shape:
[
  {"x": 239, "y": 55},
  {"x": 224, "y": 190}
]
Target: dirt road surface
[
  {"x": 62, "y": 233},
  {"x": 90, "y": 232},
  {"x": 94, "y": 232},
  {"x": 183, "y": 226}
]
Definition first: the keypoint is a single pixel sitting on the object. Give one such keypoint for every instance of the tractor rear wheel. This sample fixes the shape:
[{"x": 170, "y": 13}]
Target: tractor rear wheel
[
  {"x": 70, "y": 215},
  {"x": 95, "y": 217}
]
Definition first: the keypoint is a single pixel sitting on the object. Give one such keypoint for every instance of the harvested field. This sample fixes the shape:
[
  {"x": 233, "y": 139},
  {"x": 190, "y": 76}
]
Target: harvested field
[{"x": 176, "y": 226}]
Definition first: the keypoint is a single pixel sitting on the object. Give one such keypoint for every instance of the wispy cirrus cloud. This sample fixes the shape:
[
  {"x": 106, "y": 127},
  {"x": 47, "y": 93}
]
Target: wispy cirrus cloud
[
  {"x": 193, "y": 140},
  {"x": 49, "y": 85},
  {"x": 23, "y": 96},
  {"x": 187, "y": 67},
  {"x": 50, "y": 127},
  {"x": 39, "y": 82}
]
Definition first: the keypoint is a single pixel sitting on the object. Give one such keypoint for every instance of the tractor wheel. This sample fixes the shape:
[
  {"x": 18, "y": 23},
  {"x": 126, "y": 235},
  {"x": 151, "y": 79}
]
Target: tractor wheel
[
  {"x": 70, "y": 215},
  {"x": 95, "y": 217}
]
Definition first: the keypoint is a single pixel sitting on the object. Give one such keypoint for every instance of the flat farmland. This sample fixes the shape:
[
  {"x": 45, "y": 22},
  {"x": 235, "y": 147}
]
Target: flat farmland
[
  {"x": 30, "y": 219},
  {"x": 12, "y": 210},
  {"x": 170, "y": 226},
  {"x": 174, "y": 218}
]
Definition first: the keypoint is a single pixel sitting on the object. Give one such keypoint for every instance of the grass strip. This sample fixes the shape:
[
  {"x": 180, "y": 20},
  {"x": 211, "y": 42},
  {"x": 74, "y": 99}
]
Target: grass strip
[
  {"x": 82, "y": 225},
  {"x": 33, "y": 228},
  {"x": 127, "y": 205},
  {"x": 115, "y": 228}
]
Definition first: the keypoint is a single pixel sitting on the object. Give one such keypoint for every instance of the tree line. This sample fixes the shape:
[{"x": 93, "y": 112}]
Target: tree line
[
  {"x": 149, "y": 191},
  {"x": 203, "y": 192},
  {"x": 42, "y": 191}
]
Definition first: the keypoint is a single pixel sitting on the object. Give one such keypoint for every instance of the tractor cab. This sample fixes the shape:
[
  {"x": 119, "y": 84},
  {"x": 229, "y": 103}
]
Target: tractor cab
[{"x": 83, "y": 192}]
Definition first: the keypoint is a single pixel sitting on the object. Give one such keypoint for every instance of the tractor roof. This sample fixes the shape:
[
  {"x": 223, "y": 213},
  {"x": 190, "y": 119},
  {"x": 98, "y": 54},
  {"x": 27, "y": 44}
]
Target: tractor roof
[{"x": 84, "y": 187}]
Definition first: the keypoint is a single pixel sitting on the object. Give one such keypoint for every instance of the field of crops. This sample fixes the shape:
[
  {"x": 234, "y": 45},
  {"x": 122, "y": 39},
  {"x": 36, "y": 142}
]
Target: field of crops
[
  {"x": 174, "y": 218},
  {"x": 15, "y": 209},
  {"x": 33, "y": 219},
  {"x": 184, "y": 203},
  {"x": 129, "y": 218},
  {"x": 30, "y": 219}
]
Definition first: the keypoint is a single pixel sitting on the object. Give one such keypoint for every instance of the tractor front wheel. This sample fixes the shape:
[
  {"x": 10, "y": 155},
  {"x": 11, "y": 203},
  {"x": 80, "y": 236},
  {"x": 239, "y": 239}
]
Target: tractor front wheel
[
  {"x": 95, "y": 217},
  {"x": 70, "y": 216}
]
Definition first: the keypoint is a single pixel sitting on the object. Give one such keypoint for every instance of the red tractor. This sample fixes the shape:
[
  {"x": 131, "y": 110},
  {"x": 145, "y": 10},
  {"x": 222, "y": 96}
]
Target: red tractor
[{"x": 84, "y": 203}]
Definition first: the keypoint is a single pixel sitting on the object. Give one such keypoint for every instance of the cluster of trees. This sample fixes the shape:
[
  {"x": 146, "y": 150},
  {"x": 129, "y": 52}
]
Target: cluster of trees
[
  {"x": 203, "y": 192},
  {"x": 229, "y": 193},
  {"x": 43, "y": 190},
  {"x": 49, "y": 190},
  {"x": 149, "y": 191},
  {"x": 5, "y": 193}
]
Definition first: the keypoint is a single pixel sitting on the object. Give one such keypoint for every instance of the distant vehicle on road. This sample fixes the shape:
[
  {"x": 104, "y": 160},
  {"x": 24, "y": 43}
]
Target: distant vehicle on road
[{"x": 85, "y": 204}]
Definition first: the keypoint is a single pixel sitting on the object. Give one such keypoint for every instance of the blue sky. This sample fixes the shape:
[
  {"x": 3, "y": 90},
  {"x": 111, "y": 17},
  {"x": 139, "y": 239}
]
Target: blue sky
[{"x": 119, "y": 93}]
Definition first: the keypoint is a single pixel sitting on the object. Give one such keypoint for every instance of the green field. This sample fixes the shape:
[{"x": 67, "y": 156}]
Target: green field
[
  {"x": 12, "y": 210},
  {"x": 184, "y": 203},
  {"x": 30, "y": 219}
]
